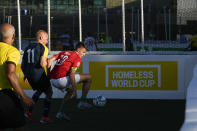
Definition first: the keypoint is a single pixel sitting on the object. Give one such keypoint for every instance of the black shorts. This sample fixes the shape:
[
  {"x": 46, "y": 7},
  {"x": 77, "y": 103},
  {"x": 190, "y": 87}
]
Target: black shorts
[
  {"x": 11, "y": 110},
  {"x": 42, "y": 85}
]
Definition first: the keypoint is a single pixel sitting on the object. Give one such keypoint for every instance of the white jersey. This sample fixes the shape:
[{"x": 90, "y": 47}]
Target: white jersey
[{"x": 90, "y": 42}]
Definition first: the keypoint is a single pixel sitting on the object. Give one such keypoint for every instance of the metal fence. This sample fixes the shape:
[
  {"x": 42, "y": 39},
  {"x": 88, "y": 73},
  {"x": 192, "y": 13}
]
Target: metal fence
[{"x": 123, "y": 25}]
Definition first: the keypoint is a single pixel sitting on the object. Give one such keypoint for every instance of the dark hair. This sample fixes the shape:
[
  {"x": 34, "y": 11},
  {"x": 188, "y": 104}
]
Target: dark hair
[{"x": 81, "y": 45}]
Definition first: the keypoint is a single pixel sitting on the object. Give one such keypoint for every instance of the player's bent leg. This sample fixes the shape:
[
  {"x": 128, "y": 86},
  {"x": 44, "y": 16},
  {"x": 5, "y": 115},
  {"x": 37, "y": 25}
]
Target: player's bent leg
[
  {"x": 86, "y": 79},
  {"x": 45, "y": 118},
  {"x": 49, "y": 92},
  {"x": 47, "y": 104},
  {"x": 61, "y": 114},
  {"x": 62, "y": 84},
  {"x": 68, "y": 94},
  {"x": 45, "y": 87},
  {"x": 35, "y": 98}
]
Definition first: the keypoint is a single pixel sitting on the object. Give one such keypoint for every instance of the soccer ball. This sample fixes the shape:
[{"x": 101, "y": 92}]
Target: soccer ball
[{"x": 99, "y": 101}]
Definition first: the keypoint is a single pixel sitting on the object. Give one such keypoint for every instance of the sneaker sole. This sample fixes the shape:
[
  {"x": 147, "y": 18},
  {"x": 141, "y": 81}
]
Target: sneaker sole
[
  {"x": 63, "y": 119},
  {"x": 44, "y": 122},
  {"x": 28, "y": 118}
]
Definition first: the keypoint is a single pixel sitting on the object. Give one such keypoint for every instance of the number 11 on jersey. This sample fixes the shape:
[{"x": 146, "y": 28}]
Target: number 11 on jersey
[{"x": 30, "y": 55}]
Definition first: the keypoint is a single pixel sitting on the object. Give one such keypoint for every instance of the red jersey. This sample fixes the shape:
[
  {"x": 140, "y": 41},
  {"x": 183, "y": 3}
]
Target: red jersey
[{"x": 66, "y": 60}]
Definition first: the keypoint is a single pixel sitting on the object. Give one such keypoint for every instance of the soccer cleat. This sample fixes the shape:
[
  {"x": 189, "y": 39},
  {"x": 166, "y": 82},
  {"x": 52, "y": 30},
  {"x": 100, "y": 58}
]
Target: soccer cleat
[
  {"x": 84, "y": 105},
  {"x": 62, "y": 116},
  {"x": 28, "y": 115},
  {"x": 45, "y": 120}
]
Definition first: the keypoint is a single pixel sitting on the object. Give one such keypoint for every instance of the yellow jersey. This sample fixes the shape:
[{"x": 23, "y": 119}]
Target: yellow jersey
[
  {"x": 46, "y": 51},
  {"x": 8, "y": 53}
]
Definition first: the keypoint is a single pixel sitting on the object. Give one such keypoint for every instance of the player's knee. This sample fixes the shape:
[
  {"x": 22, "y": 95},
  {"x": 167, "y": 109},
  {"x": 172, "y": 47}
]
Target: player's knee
[{"x": 89, "y": 77}]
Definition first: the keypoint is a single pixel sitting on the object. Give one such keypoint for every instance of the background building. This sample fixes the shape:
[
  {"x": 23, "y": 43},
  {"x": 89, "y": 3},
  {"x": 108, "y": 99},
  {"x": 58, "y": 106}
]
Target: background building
[{"x": 163, "y": 19}]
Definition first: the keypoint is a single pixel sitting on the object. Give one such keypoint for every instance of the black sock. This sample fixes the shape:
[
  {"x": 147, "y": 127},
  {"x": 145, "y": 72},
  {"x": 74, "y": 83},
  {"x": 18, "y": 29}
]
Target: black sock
[
  {"x": 35, "y": 98},
  {"x": 47, "y": 103}
]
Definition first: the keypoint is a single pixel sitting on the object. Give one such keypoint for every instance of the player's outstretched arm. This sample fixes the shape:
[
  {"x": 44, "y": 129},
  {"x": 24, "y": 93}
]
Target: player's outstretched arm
[
  {"x": 11, "y": 74},
  {"x": 50, "y": 61}
]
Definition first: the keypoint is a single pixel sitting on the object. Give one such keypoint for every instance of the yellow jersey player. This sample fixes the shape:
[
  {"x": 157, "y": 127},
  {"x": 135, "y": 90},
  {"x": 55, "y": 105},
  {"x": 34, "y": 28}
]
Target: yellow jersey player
[{"x": 11, "y": 110}]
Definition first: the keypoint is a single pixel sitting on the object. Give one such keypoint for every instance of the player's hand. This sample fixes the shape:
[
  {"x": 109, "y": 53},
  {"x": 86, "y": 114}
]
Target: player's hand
[
  {"x": 25, "y": 79},
  {"x": 28, "y": 101}
]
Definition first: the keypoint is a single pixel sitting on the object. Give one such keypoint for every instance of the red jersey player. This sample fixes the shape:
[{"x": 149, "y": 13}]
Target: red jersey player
[{"x": 64, "y": 76}]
